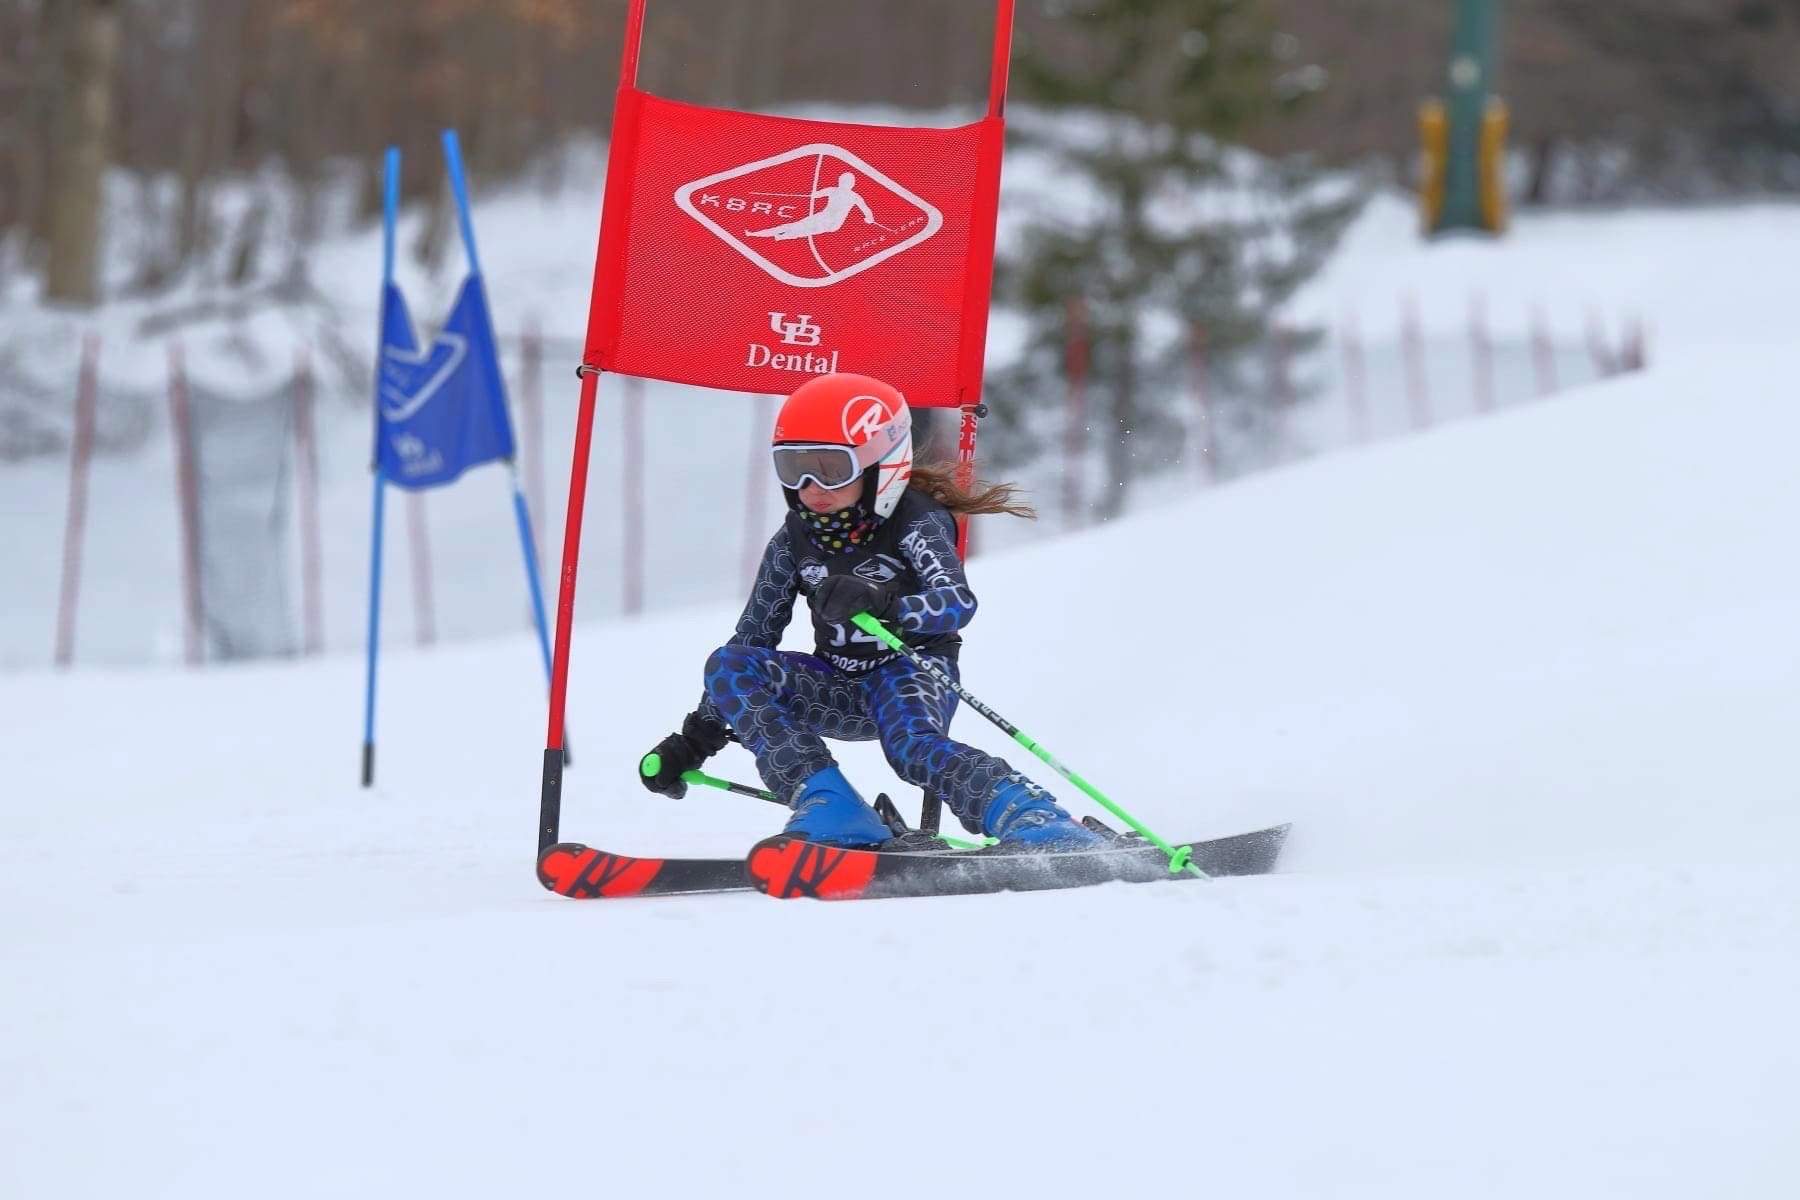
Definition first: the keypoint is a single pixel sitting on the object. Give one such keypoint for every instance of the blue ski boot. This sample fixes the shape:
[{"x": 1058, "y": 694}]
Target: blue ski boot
[
  {"x": 827, "y": 810},
  {"x": 1023, "y": 816}
]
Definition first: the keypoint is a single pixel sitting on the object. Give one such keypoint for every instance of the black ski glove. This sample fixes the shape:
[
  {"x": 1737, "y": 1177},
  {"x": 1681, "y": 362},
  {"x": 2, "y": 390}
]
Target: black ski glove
[
  {"x": 840, "y": 597},
  {"x": 700, "y": 738}
]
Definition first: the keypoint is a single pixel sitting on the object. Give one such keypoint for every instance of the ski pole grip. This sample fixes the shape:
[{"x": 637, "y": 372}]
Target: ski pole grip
[
  {"x": 870, "y": 625},
  {"x": 651, "y": 766}
]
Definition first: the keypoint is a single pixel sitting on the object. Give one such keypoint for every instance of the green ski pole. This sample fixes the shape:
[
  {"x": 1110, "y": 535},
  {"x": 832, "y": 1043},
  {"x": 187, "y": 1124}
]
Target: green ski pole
[
  {"x": 652, "y": 765},
  {"x": 1178, "y": 856}
]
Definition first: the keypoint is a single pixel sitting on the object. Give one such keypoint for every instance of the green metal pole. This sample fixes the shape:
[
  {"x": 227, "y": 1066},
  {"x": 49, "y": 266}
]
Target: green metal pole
[
  {"x": 652, "y": 764},
  {"x": 1178, "y": 856},
  {"x": 1470, "y": 80}
]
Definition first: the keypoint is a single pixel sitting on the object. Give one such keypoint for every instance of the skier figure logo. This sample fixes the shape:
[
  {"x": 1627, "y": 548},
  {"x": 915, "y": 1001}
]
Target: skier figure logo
[
  {"x": 839, "y": 201},
  {"x": 783, "y": 214}
]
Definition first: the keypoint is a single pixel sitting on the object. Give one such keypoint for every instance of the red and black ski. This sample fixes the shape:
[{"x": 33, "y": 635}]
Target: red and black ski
[
  {"x": 583, "y": 873},
  {"x": 787, "y": 867}
]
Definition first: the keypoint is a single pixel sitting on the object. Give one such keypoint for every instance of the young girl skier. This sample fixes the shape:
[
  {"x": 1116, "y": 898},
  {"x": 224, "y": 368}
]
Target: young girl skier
[{"x": 857, "y": 539}]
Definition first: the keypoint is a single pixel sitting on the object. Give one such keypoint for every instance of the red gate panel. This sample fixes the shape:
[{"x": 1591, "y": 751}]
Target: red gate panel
[{"x": 749, "y": 252}]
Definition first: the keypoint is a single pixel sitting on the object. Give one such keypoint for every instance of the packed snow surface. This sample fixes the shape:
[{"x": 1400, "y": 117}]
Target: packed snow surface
[{"x": 1526, "y": 687}]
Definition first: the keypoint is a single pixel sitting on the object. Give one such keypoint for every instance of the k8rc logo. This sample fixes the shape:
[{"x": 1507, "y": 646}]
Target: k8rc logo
[{"x": 811, "y": 216}]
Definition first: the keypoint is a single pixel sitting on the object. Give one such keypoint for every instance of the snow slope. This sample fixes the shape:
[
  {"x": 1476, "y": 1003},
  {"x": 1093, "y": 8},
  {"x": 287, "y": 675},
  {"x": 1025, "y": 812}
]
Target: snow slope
[
  {"x": 1705, "y": 280},
  {"x": 1526, "y": 686}
]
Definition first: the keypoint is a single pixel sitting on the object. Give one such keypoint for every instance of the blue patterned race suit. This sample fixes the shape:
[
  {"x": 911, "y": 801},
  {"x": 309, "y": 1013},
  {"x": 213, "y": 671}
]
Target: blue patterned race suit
[{"x": 782, "y": 704}]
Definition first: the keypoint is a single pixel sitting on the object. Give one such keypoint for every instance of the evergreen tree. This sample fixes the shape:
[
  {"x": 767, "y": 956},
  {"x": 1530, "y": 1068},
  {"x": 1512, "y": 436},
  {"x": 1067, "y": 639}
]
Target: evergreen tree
[{"x": 1161, "y": 226}]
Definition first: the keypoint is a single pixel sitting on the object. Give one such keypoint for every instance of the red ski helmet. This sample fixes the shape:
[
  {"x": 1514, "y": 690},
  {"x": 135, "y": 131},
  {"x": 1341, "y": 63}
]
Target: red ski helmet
[{"x": 837, "y": 427}]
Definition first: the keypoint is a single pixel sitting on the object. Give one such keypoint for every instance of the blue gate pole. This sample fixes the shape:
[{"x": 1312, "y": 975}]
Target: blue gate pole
[
  {"x": 528, "y": 545},
  {"x": 368, "y": 759},
  {"x": 390, "y": 213},
  {"x": 459, "y": 187}
]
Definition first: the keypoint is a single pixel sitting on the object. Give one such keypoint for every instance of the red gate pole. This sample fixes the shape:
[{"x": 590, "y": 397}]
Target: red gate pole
[
  {"x": 1356, "y": 393},
  {"x": 965, "y": 439},
  {"x": 550, "y": 794},
  {"x": 187, "y": 498},
  {"x": 965, "y": 473},
  {"x": 1412, "y": 343},
  {"x": 632, "y": 548},
  {"x": 81, "y": 453},
  {"x": 550, "y": 799},
  {"x": 1075, "y": 359},
  {"x": 1003, "y": 23},
  {"x": 1543, "y": 357},
  {"x": 306, "y": 485},
  {"x": 1481, "y": 349},
  {"x": 1604, "y": 366}
]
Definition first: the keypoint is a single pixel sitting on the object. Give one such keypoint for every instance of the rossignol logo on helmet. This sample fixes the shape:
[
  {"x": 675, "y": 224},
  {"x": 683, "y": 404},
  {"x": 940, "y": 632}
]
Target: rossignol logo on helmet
[
  {"x": 863, "y": 418},
  {"x": 810, "y": 216}
]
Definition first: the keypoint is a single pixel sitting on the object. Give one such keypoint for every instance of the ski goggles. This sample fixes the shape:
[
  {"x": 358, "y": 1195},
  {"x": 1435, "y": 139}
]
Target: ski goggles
[{"x": 830, "y": 467}]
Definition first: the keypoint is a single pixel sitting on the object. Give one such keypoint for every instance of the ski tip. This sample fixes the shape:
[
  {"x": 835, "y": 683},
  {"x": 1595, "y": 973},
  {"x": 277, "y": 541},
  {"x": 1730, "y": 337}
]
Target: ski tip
[
  {"x": 583, "y": 873},
  {"x": 787, "y": 867},
  {"x": 1273, "y": 839},
  {"x": 1254, "y": 853}
]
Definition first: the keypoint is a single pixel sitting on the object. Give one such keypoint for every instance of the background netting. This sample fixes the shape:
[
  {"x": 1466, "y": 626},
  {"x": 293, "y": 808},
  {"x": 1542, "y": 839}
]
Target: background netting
[{"x": 243, "y": 453}]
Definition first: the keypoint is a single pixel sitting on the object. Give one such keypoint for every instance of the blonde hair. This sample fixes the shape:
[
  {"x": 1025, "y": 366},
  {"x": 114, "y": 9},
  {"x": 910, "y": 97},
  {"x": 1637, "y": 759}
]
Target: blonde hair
[{"x": 939, "y": 482}]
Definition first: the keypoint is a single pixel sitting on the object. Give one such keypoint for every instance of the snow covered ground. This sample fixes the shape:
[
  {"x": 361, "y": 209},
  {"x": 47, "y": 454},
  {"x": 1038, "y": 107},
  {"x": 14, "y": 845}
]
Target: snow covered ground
[{"x": 1526, "y": 686}]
